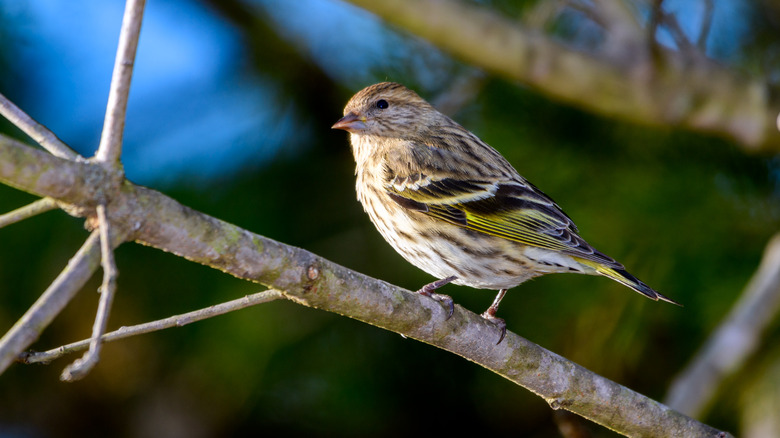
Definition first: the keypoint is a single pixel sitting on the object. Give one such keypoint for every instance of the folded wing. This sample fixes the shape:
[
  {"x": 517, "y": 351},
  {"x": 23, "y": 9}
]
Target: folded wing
[{"x": 513, "y": 210}]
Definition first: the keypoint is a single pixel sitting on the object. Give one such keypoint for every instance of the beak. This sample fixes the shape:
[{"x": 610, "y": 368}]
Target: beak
[{"x": 351, "y": 122}]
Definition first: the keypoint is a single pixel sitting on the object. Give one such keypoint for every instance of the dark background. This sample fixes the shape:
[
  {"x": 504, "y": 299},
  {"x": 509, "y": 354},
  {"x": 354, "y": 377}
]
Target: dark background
[{"x": 230, "y": 114}]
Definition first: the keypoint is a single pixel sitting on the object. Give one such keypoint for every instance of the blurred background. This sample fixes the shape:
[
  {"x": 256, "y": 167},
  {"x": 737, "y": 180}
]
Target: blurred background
[{"x": 230, "y": 113}]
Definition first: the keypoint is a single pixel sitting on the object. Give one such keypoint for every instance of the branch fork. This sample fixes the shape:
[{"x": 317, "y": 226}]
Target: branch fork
[{"x": 108, "y": 157}]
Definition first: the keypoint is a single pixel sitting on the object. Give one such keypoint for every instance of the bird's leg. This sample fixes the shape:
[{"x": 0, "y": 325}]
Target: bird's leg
[
  {"x": 490, "y": 314},
  {"x": 428, "y": 291}
]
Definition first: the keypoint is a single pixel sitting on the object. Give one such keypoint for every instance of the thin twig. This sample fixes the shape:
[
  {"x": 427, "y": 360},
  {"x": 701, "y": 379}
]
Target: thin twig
[
  {"x": 29, "y": 327},
  {"x": 81, "y": 367},
  {"x": 35, "y": 130},
  {"x": 40, "y": 206},
  {"x": 110, "y": 148},
  {"x": 738, "y": 336},
  {"x": 172, "y": 321}
]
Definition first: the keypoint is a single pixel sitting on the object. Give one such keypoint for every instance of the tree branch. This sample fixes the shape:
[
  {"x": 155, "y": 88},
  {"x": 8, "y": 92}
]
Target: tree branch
[
  {"x": 159, "y": 221},
  {"x": 693, "y": 93},
  {"x": 738, "y": 337}
]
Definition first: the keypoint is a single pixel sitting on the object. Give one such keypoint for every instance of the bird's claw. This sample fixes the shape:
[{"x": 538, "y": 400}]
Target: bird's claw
[
  {"x": 446, "y": 300},
  {"x": 498, "y": 322},
  {"x": 428, "y": 291}
]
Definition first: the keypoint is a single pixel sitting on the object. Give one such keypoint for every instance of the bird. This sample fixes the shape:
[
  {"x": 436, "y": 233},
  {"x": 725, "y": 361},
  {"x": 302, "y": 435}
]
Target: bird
[{"x": 454, "y": 207}]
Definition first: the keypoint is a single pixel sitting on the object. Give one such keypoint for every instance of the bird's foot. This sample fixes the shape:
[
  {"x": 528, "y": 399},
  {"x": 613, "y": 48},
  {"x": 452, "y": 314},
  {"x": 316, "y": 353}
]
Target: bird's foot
[
  {"x": 490, "y": 315},
  {"x": 446, "y": 300}
]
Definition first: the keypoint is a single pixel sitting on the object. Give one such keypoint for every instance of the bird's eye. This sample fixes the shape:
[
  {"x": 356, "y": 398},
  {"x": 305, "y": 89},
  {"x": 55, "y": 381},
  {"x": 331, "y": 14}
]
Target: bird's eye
[{"x": 382, "y": 104}]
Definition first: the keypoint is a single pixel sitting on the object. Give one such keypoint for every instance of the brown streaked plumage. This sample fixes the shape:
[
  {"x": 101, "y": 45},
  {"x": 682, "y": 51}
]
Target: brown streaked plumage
[{"x": 454, "y": 207}]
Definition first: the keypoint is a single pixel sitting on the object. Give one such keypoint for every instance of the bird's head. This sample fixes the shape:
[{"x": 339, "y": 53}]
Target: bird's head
[{"x": 386, "y": 109}]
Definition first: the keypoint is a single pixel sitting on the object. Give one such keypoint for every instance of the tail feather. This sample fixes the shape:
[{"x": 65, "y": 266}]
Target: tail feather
[{"x": 622, "y": 276}]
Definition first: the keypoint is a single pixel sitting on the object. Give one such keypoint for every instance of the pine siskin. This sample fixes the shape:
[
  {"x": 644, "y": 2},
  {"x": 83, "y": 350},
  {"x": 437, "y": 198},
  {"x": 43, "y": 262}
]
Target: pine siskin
[{"x": 454, "y": 207}]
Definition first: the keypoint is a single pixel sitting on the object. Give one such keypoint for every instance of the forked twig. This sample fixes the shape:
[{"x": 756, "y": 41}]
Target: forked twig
[
  {"x": 109, "y": 153},
  {"x": 81, "y": 367},
  {"x": 83, "y": 265},
  {"x": 171, "y": 321}
]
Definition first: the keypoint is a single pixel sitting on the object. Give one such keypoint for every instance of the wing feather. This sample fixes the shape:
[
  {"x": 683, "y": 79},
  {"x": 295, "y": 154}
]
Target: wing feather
[
  {"x": 492, "y": 199},
  {"x": 513, "y": 210}
]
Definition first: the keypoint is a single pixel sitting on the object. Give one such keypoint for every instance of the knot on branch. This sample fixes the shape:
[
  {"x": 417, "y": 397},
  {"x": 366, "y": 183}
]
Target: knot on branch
[
  {"x": 558, "y": 403},
  {"x": 312, "y": 274}
]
